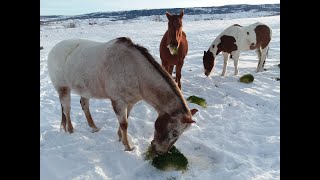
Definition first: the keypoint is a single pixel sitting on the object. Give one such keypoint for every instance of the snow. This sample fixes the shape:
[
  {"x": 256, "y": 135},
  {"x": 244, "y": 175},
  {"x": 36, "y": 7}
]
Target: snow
[{"x": 236, "y": 137}]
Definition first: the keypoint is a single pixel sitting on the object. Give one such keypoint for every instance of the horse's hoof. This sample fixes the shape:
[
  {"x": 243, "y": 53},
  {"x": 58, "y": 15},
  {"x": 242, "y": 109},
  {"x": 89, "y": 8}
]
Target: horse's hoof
[
  {"x": 128, "y": 148},
  {"x": 95, "y": 129},
  {"x": 70, "y": 131},
  {"x": 62, "y": 128}
]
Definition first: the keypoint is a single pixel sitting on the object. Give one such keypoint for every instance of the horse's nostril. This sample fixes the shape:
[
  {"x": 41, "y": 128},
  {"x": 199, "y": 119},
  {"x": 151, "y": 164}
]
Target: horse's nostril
[
  {"x": 206, "y": 73},
  {"x": 160, "y": 152}
]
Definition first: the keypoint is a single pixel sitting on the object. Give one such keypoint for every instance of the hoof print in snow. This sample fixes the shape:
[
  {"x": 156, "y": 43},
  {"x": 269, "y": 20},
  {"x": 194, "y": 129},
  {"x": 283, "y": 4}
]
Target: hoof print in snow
[
  {"x": 247, "y": 78},
  {"x": 172, "y": 160}
]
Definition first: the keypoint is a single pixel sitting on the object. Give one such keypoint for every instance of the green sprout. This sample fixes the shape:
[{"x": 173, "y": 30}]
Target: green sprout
[{"x": 197, "y": 100}]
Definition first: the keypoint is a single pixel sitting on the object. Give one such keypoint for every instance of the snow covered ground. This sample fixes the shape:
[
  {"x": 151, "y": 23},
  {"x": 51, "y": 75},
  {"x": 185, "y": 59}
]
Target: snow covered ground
[{"x": 236, "y": 137}]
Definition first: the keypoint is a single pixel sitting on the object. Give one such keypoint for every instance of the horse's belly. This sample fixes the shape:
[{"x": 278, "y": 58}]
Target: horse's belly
[{"x": 86, "y": 85}]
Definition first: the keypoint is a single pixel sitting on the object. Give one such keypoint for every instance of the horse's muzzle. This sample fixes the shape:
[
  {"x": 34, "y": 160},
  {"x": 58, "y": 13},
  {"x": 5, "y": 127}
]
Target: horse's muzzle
[
  {"x": 153, "y": 148},
  {"x": 206, "y": 73}
]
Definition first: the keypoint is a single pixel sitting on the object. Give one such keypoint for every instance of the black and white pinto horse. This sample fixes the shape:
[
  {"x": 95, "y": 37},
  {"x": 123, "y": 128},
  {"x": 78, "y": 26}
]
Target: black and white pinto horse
[{"x": 235, "y": 39}]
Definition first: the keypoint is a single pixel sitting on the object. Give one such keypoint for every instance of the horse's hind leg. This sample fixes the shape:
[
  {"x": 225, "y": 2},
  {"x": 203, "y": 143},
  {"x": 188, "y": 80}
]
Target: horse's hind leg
[
  {"x": 262, "y": 59},
  {"x": 225, "y": 63},
  {"x": 64, "y": 96},
  {"x": 63, "y": 120},
  {"x": 85, "y": 107},
  {"x": 259, "y": 53},
  {"x": 235, "y": 56},
  {"x": 120, "y": 108}
]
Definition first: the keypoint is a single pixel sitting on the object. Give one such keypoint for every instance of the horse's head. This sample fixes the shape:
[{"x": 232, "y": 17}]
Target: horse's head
[
  {"x": 208, "y": 62},
  {"x": 168, "y": 128},
  {"x": 174, "y": 29}
]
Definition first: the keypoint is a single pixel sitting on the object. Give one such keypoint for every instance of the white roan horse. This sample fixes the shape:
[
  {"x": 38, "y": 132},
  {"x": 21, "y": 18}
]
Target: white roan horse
[
  {"x": 235, "y": 39},
  {"x": 125, "y": 73}
]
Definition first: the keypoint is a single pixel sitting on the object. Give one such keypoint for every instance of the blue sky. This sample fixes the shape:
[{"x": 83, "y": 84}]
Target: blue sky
[{"x": 76, "y": 7}]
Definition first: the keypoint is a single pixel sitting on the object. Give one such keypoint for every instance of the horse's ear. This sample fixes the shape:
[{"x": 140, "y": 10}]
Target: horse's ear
[
  {"x": 168, "y": 14},
  {"x": 193, "y": 111},
  {"x": 181, "y": 14},
  {"x": 204, "y": 52}
]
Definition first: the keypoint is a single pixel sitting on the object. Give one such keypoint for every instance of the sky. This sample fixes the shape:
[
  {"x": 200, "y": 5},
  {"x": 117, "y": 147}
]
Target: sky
[{"x": 77, "y": 7}]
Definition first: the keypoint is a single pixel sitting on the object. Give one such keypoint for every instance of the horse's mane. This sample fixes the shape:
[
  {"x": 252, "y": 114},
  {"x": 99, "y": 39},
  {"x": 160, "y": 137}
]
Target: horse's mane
[{"x": 164, "y": 74}]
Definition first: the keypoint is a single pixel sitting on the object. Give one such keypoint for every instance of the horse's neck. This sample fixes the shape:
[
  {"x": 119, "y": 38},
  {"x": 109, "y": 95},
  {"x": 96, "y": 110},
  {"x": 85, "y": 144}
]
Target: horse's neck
[
  {"x": 215, "y": 49},
  {"x": 158, "y": 93}
]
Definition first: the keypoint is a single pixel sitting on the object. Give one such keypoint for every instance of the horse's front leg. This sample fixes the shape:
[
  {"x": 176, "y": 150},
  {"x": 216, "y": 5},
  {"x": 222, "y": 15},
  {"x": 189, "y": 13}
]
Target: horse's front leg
[
  {"x": 178, "y": 73},
  {"x": 120, "y": 108},
  {"x": 165, "y": 65},
  {"x": 85, "y": 107},
  {"x": 170, "y": 69},
  {"x": 130, "y": 106}
]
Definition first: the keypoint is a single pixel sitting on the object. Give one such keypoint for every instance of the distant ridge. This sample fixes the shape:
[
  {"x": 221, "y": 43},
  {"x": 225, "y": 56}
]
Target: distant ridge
[{"x": 273, "y": 9}]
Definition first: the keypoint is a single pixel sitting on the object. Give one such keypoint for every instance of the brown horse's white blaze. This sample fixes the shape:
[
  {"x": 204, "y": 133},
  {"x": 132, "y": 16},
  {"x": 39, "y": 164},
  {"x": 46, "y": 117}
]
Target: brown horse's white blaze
[
  {"x": 125, "y": 73},
  {"x": 235, "y": 39},
  {"x": 174, "y": 38}
]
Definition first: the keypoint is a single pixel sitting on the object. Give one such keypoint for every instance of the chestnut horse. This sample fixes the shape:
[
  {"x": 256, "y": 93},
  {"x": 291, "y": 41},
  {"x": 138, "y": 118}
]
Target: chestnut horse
[
  {"x": 235, "y": 39},
  {"x": 125, "y": 73},
  {"x": 174, "y": 46}
]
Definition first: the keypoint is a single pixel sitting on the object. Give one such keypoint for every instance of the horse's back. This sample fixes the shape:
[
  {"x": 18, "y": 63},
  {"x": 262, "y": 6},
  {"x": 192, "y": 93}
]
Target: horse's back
[
  {"x": 258, "y": 33},
  {"x": 95, "y": 70},
  {"x": 70, "y": 59},
  {"x": 63, "y": 49}
]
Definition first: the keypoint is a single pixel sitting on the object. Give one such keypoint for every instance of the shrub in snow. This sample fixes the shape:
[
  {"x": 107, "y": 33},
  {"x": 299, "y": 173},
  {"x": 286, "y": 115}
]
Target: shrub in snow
[
  {"x": 247, "y": 78},
  {"x": 173, "y": 159}
]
